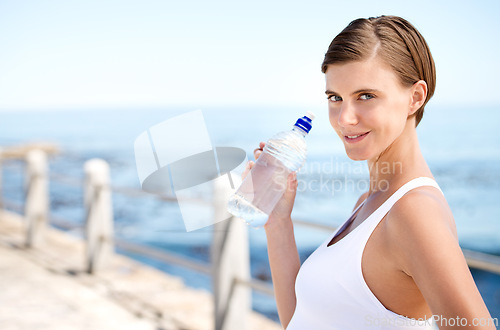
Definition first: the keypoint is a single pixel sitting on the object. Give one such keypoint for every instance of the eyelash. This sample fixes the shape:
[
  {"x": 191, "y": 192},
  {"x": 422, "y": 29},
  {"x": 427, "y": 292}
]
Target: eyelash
[
  {"x": 330, "y": 98},
  {"x": 370, "y": 96}
]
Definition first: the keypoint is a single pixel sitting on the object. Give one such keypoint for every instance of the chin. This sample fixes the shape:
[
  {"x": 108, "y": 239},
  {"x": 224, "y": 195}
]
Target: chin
[
  {"x": 357, "y": 158},
  {"x": 357, "y": 155}
]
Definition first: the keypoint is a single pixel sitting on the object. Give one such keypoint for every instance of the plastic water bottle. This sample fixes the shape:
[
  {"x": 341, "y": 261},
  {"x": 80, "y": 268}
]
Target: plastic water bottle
[{"x": 266, "y": 183}]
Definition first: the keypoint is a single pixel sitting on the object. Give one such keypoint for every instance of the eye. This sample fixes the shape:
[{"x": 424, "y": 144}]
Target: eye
[
  {"x": 366, "y": 96},
  {"x": 334, "y": 98}
]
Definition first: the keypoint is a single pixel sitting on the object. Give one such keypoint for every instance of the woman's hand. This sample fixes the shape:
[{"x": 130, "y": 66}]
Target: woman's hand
[{"x": 283, "y": 208}]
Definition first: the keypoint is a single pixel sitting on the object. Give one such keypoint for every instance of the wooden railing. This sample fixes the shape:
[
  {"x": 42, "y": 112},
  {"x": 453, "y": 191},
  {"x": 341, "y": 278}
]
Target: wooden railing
[
  {"x": 230, "y": 257},
  {"x": 230, "y": 261}
]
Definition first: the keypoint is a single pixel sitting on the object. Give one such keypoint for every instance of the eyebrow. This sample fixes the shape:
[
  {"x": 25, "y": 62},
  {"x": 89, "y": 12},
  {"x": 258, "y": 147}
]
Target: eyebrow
[{"x": 363, "y": 90}]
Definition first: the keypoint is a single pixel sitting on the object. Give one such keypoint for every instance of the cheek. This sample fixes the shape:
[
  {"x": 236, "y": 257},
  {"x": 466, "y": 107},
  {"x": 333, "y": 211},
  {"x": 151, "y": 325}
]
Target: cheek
[
  {"x": 396, "y": 119},
  {"x": 333, "y": 116},
  {"x": 400, "y": 112}
]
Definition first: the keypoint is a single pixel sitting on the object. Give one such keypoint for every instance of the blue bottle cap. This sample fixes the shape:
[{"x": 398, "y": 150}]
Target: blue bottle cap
[{"x": 305, "y": 122}]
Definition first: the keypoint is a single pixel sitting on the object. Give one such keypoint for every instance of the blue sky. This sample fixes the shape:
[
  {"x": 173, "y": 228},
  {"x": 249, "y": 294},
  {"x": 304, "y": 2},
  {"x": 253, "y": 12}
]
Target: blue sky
[{"x": 97, "y": 54}]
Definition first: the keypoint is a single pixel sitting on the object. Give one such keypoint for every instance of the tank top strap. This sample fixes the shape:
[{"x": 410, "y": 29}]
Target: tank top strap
[{"x": 373, "y": 220}]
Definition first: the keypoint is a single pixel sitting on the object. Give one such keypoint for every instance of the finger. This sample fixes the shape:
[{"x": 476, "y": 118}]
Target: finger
[
  {"x": 292, "y": 181},
  {"x": 258, "y": 151},
  {"x": 292, "y": 185},
  {"x": 248, "y": 168}
]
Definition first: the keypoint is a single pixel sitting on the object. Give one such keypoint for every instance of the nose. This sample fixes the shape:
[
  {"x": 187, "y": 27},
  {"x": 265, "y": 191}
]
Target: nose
[{"x": 347, "y": 115}]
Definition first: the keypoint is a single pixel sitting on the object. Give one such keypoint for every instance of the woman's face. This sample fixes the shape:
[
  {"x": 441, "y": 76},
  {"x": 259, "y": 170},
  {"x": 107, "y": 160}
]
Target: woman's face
[{"x": 368, "y": 107}]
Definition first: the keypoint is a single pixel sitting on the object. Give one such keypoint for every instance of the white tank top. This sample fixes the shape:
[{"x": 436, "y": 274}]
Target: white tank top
[{"x": 330, "y": 289}]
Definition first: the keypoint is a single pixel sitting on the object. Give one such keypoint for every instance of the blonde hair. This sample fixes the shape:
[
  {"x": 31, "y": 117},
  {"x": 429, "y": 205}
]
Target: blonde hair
[{"x": 395, "y": 41}]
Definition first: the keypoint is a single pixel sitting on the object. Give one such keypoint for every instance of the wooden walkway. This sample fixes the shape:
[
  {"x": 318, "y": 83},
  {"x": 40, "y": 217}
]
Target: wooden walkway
[{"x": 46, "y": 288}]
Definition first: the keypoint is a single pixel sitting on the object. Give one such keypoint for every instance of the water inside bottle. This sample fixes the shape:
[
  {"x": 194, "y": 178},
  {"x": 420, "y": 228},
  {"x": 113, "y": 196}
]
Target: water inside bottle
[
  {"x": 242, "y": 208},
  {"x": 260, "y": 191}
]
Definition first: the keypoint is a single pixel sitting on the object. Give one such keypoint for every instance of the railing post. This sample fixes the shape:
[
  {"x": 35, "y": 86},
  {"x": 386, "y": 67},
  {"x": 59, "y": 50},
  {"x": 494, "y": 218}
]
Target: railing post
[
  {"x": 230, "y": 265},
  {"x": 99, "y": 217},
  {"x": 36, "y": 207}
]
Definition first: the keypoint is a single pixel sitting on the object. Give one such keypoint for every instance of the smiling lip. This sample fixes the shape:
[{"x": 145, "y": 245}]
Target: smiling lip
[{"x": 353, "y": 138}]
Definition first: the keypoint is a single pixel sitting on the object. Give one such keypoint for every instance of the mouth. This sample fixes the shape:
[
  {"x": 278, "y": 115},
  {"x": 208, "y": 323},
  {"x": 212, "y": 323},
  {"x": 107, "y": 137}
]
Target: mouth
[{"x": 355, "y": 137}]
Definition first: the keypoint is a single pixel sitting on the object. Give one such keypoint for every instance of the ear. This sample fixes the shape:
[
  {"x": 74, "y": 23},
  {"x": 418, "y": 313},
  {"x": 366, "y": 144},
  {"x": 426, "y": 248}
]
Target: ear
[{"x": 418, "y": 96}]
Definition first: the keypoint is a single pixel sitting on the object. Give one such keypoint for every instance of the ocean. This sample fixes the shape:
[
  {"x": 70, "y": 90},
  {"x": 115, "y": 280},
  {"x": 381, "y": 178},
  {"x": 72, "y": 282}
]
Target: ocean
[{"x": 460, "y": 146}]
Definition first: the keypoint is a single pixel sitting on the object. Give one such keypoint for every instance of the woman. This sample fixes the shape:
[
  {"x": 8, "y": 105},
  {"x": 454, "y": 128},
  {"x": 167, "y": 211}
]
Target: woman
[{"x": 396, "y": 261}]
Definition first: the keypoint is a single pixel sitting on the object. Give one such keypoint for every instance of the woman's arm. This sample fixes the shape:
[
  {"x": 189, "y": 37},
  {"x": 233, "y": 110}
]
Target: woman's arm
[
  {"x": 285, "y": 263},
  {"x": 427, "y": 249},
  {"x": 283, "y": 256},
  {"x": 281, "y": 247}
]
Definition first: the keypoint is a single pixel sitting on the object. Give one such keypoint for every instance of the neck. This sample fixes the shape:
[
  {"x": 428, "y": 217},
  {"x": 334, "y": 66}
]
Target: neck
[{"x": 399, "y": 163}]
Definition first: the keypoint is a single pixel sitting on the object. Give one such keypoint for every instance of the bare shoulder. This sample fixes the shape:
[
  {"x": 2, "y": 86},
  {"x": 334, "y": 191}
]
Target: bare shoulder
[
  {"x": 420, "y": 233},
  {"x": 419, "y": 211},
  {"x": 419, "y": 223}
]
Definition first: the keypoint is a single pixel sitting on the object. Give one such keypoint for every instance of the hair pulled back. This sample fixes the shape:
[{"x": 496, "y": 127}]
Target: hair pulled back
[{"x": 395, "y": 41}]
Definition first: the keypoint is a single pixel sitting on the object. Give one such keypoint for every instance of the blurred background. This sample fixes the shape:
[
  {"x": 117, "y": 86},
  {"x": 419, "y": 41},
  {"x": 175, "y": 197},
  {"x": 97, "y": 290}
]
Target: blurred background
[{"x": 91, "y": 76}]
